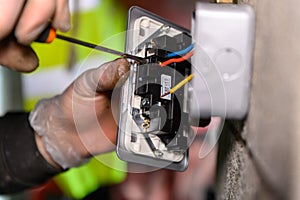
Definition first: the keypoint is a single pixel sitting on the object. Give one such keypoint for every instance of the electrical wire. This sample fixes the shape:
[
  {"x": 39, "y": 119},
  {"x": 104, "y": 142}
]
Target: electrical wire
[
  {"x": 179, "y": 85},
  {"x": 181, "y": 52},
  {"x": 177, "y": 60}
]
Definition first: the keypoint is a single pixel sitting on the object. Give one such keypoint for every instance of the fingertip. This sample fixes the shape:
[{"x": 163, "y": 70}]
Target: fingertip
[
  {"x": 123, "y": 67},
  {"x": 108, "y": 74},
  {"x": 64, "y": 27},
  {"x": 61, "y": 19},
  {"x": 17, "y": 57},
  {"x": 28, "y": 60},
  {"x": 31, "y": 66},
  {"x": 124, "y": 62}
]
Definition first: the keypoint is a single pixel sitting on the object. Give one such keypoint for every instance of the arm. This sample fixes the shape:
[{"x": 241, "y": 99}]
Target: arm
[
  {"x": 30, "y": 153},
  {"x": 21, "y": 163},
  {"x": 62, "y": 131}
]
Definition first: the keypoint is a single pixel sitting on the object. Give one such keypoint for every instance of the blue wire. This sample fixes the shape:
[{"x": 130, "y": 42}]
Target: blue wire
[{"x": 184, "y": 51}]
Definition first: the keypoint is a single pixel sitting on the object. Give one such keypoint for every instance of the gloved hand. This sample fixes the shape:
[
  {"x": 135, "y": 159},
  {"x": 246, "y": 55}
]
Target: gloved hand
[
  {"x": 21, "y": 21},
  {"x": 79, "y": 122}
]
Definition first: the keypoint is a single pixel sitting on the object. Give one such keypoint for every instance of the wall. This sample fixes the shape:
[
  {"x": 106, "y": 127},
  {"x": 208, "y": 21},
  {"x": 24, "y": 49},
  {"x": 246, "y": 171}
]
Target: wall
[{"x": 260, "y": 157}]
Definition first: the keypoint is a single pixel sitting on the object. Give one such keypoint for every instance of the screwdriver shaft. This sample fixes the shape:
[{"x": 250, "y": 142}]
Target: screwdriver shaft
[{"x": 101, "y": 48}]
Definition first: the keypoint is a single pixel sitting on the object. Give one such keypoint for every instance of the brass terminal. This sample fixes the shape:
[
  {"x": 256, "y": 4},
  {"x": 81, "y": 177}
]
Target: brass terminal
[{"x": 146, "y": 124}]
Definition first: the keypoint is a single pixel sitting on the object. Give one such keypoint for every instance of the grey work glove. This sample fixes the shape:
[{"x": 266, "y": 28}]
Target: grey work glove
[{"x": 79, "y": 122}]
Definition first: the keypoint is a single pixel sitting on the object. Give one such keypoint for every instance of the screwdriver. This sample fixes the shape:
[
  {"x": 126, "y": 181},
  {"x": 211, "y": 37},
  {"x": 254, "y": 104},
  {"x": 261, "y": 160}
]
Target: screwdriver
[{"x": 49, "y": 34}]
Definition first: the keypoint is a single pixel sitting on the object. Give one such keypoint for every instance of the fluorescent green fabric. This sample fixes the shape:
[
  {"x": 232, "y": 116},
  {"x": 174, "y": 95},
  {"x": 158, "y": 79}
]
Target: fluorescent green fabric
[
  {"x": 95, "y": 26},
  {"x": 78, "y": 182}
]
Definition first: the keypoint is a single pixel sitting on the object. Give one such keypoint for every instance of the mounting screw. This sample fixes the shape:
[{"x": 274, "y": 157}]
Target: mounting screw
[
  {"x": 145, "y": 102},
  {"x": 158, "y": 153}
]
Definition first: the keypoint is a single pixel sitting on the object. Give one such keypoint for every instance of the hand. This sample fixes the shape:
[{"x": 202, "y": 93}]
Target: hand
[
  {"x": 21, "y": 22},
  {"x": 79, "y": 122}
]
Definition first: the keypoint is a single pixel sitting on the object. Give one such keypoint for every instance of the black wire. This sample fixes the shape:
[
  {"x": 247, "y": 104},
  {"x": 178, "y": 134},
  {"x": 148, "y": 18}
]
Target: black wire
[{"x": 150, "y": 143}]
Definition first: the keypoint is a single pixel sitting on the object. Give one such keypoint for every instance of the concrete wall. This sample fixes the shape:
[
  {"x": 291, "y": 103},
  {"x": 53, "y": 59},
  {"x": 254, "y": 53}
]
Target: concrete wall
[{"x": 260, "y": 158}]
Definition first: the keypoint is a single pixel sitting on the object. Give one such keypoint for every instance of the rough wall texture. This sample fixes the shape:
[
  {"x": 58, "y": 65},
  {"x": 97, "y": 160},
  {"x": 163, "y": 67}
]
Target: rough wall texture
[{"x": 260, "y": 158}]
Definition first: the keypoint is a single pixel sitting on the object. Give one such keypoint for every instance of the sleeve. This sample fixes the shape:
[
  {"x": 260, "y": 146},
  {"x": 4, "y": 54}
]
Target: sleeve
[{"x": 21, "y": 164}]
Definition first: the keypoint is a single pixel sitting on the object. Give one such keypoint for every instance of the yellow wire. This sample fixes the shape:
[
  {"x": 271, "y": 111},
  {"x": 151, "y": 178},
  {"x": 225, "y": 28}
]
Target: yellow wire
[{"x": 181, "y": 83}]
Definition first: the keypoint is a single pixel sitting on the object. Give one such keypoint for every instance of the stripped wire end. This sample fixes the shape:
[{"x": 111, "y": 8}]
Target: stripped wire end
[{"x": 165, "y": 94}]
